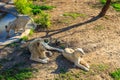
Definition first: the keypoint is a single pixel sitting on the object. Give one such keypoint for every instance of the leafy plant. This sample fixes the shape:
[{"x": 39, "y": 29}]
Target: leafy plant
[
  {"x": 116, "y": 6},
  {"x": 116, "y": 74},
  {"x": 42, "y": 7},
  {"x": 43, "y": 19},
  {"x": 103, "y": 1},
  {"x": 36, "y": 9},
  {"x": 23, "y": 6}
]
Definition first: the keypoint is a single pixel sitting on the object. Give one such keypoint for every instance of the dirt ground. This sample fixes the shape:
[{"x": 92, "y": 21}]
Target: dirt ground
[{"x": 100, "y": 39}]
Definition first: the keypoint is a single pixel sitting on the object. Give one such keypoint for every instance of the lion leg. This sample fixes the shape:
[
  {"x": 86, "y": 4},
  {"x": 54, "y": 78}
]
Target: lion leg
[
  {"x": 77, "y": 63},
  {"x": 44, "y": 61},
  {"x": 35, "y": 57}
]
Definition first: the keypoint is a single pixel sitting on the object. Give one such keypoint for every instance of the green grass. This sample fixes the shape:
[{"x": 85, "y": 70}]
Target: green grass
[
  {"x": 116, "y": 74},
  {"x": 115, "y": 4},
  {"x": 31, "y": 32},
  {"x": 27, "y": 7},
  {"x": 99, "y": 27},
  {"x": 16, "y": 74},
  {"x": 23, "y": 6},
  {"x": 100, "y": 67},
  {"x": 42, "y": 7},
  {"x": 36, "y": 9},
  {"x": 13, "y": 44},
  {"x": 74, "y": 15},
  {"x": 103, "y": 1},
  {"x": 43, "y": 19},
  {"x": 24, "y": 38}
]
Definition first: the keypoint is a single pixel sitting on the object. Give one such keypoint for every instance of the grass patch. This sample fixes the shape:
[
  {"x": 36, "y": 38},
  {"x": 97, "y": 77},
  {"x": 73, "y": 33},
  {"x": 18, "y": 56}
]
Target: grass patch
[
  {"x": 116, "y": 74},
  {"x": 43, "y": 19},
  {"x": 100, "y": 67},
  {"x": 27, "y": 7},
  {"x": 99, "y": 27},
  {"x": 36, "y": 9},
  {"x": 71, "y": 75},
  {"x": 66, "y": 76},
  {"x": 23, "y": 6},
  {"x": 16, "y": 74},
  {"x": 115, "y": 4},
  {"x": 13, "y": 44},
  {"x": 74, "y": 15},
  {"x": 103, "y": 1},
  {"x": 24, "y": 38},
  {"x": 31, "y": 32},
  {"x": 42, "y": 7}
]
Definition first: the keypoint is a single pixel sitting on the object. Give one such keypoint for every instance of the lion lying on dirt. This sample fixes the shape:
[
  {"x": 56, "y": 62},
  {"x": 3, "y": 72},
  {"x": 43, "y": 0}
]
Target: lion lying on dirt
[
  {"x": 39, "y": 48},
  {"x": 76, "y": 57}
]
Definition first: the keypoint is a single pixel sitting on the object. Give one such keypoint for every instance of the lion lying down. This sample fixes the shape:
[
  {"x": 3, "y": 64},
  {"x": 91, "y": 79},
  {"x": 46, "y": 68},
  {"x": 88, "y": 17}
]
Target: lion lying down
[{"x": 39, "y": 48}]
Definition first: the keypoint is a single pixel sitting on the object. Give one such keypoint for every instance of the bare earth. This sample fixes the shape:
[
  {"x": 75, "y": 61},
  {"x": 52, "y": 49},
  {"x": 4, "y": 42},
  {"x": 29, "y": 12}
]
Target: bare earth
[{"x": 100, "y": 39}]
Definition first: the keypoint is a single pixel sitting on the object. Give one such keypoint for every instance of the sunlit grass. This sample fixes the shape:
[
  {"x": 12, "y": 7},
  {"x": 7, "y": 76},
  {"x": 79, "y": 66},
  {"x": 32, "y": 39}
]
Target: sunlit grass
[
  {"x": 115, "y": 4},
  {"x": 16, "y": 74},
  {"x": 116, "y": 74},
  {"x": 74, "y": 15}
]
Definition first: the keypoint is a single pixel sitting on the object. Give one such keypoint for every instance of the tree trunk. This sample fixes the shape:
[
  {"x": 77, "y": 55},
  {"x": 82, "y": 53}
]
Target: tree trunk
[{"x": 105, "y": 8}]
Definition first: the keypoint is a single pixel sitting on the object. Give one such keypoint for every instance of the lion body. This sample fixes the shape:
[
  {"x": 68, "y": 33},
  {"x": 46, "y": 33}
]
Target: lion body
[
  {"x": 38, "y": 51},
  {"x": 76, "y": 57}
]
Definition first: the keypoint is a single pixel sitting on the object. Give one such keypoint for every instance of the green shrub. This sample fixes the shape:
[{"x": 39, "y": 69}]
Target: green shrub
[
  {"x": 43, "y": 19},
  {"x": 116, "y": 6},
  {"x": 103, "y": 1},
  {"x": 36, "y": 9},
  {"x": 116, "y": 74},
  {"x": 23, "y": 6},
  {"x": 42, "y": 7}
]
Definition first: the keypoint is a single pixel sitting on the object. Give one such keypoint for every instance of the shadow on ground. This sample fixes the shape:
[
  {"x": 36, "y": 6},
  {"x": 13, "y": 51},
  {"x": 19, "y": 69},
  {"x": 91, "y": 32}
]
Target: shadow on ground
[{"x": 63, "y": 65}]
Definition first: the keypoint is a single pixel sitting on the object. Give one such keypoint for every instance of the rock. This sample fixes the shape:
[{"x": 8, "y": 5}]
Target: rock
[{"x": 22, "y": 20}]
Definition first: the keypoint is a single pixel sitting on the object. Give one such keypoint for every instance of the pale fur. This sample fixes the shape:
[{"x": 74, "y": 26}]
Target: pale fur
[
  {"x": 38, "y": 51},
  {"x": 38, "y": 48},
  {"x": 75, "y": 56}
]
